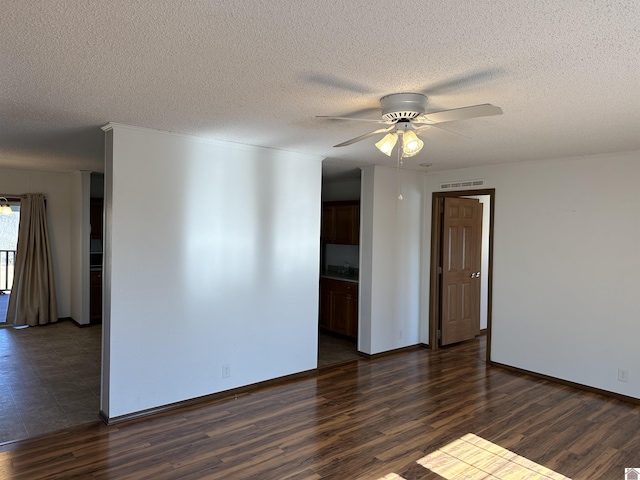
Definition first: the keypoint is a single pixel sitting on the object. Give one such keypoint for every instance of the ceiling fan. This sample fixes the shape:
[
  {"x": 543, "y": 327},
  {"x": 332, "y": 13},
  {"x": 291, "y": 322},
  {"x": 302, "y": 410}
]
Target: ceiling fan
[{"x": 406, "y": 117}]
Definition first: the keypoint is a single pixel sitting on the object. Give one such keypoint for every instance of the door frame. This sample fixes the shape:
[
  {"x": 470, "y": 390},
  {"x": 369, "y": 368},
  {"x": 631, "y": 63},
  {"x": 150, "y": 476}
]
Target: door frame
[{"x": 436, "y": 251}]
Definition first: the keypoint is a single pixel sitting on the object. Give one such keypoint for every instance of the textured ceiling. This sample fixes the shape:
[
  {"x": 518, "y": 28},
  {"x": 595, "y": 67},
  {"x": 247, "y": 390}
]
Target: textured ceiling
[{"x": 566, "y": 74}]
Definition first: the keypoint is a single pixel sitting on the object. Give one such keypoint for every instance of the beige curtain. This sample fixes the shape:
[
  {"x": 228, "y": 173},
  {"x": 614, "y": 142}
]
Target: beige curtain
[{"x": 33, "y": 295}]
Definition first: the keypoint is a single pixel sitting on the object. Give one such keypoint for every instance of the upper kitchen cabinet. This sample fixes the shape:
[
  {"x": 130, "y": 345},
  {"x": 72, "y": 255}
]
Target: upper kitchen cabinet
[
  {"x": 341, "y": 222},
  {"x": 95, "y": 218}
]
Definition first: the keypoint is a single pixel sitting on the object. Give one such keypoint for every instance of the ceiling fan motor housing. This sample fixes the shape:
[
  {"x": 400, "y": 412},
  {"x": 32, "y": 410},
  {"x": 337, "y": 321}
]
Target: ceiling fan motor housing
[{"x": 399, "y": 106}]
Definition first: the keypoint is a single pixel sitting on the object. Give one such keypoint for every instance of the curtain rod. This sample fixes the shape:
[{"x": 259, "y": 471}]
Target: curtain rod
[{"x": 14, "y": 197}]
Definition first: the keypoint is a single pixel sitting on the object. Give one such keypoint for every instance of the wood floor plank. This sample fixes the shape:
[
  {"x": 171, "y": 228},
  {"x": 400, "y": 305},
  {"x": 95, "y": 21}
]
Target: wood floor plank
[{"x": 364, "y": 420}]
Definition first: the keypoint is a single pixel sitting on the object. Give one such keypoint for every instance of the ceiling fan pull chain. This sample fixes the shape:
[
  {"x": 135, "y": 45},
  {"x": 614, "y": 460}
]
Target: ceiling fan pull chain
[{"x": 399, "y": 183}]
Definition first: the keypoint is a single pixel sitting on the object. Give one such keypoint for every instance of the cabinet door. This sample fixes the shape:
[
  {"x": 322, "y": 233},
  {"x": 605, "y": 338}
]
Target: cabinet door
[
  {"x": 355, "y": 226},
  {"x": 339, "y": 307},
  {"x": 327, "y": 230},
  {"x": 345, "y": 224},
  {"x": 340, "y": 223},
  {"x": 95, "y": 218},
  {"x": 352, "y": 323},
  {"x": 340, "y": 312},
  {"x": 325, "y": 308},
  {"x": 95, "y": 297}
]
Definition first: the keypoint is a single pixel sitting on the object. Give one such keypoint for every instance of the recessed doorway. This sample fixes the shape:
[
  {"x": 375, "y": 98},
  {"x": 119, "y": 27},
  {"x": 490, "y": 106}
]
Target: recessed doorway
[{"x": 440, "y": 244}]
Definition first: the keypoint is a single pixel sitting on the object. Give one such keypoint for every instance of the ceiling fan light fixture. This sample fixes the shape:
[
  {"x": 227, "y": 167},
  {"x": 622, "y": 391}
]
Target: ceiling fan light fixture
[
  {"x": 411, "y": 144},
  {"x": 387, "y": 143},
  {"x": 5, "y": 209}
]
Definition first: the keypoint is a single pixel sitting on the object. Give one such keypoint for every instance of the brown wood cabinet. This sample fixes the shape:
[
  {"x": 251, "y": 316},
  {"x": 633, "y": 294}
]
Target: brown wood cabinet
[
  {"x": 339, "y": 307},
  {"x": 341, "y": 222},
  {"x": 96, "y": 207},
  {"x": 95, "y": 297}
]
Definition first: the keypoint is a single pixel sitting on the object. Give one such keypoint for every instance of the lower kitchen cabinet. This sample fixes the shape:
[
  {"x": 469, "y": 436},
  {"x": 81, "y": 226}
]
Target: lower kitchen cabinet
[
  {"x": 339, "y": 307},
  {"x": 95, "y": 297}
]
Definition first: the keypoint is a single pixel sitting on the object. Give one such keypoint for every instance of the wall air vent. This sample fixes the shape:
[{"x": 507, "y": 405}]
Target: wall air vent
[{"x": 461, "y": 184}]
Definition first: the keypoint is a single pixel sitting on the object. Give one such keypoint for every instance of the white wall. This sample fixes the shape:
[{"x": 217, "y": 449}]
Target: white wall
[
  {"x": 391, "y": 266},
  {"x": 57, "y": 189},
  {"x": 565, "y": 266},
  {"x": 365, "y": 284},
  {"x": 212, "y": 259}
]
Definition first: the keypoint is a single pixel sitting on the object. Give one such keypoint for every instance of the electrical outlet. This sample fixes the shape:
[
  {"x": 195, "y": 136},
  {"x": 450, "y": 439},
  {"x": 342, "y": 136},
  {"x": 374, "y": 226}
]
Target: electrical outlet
[
  {"x": 623, "y": 375},
  {"x": 226, "y": 370}
]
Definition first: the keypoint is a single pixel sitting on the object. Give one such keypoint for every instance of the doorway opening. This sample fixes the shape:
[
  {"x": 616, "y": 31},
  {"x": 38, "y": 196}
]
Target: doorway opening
[
  {"x": 338, "y": 312},
  {"x": 338, "y": 316},
  {"x": 476, "y": 289},
  {"x": 8, "y": 245}
]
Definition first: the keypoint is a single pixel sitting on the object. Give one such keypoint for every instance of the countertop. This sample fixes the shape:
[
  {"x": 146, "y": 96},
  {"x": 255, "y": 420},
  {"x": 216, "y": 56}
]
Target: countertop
[{"x": 353, "y": 278}]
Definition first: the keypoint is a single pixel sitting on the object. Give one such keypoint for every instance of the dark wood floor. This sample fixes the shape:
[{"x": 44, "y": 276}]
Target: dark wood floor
[{"x": 363, "y": 420}]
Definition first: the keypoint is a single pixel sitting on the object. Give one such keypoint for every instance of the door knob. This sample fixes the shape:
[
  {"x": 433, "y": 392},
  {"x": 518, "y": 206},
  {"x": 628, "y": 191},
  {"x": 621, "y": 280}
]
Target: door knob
[
  {"x": 473, "y": 275},
  {"x": 478, "y": 275}
]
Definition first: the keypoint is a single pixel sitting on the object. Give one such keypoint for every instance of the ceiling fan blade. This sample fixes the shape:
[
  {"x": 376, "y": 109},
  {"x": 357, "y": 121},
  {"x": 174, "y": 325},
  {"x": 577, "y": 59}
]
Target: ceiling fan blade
[
  {"x": 455, "y": 114},
  {"x": 462, "y": 81},
  {"x": 333, "y": 81},
  {"x": 366, "y": 135},
  {"x": 387, "y": 122},
  {"x": 437, "y": 131}
]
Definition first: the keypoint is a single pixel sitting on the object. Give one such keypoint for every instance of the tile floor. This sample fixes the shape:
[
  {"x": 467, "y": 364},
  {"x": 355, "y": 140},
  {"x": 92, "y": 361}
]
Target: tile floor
[
  {"x": 333, "y": 350},
  {"x": 49, "y": 378}
]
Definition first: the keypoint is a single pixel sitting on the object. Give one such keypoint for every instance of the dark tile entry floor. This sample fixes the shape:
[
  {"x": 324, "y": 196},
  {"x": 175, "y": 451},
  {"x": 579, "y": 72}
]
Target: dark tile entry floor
[
  {"x": 333, "y": 349},
  {"x": 49, "y": 378}
]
